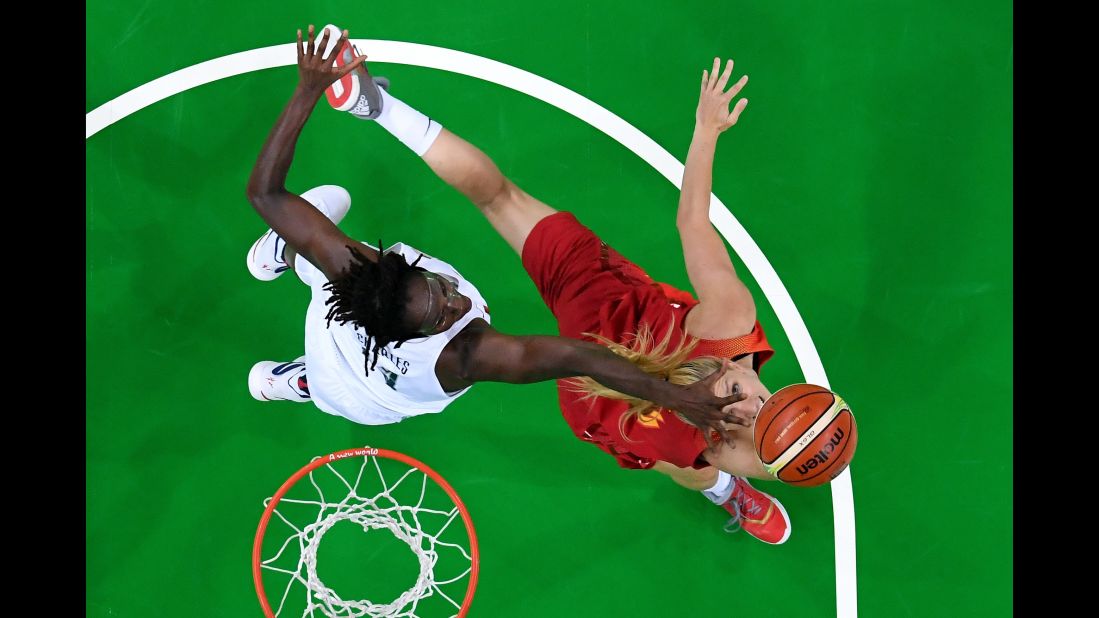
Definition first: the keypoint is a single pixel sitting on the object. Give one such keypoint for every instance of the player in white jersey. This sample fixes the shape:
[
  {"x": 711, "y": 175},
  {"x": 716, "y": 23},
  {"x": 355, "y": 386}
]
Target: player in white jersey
[{"x": 423, "y": 329}]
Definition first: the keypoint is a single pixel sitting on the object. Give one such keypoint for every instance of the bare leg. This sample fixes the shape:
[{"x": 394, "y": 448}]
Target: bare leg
[
  {"x": 738, "y": 461},
  {"x": 510, "y": 210},
  {"x": 688, "y": 477}
]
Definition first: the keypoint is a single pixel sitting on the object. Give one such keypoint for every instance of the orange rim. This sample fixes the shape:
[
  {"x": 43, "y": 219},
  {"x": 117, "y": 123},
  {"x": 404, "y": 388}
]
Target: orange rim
[{"x": 257, "y": 571}]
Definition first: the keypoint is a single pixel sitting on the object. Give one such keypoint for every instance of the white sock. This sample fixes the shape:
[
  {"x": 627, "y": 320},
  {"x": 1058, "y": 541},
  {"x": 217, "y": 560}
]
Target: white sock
[
  {"x": 414, "y": 129},
  {"x": 719, "y": 493}
]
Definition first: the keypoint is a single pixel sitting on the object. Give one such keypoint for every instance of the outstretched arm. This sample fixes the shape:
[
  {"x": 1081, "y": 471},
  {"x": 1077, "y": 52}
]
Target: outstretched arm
[
  {"x": 726, "y": 308},
  {"x": 487, "y": 355},
  {"x": 304, "y": 228}
]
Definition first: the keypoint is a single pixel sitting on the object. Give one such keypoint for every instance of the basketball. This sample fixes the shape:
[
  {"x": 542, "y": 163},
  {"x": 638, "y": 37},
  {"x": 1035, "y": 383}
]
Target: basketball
[{"x": 805, "y": 435}]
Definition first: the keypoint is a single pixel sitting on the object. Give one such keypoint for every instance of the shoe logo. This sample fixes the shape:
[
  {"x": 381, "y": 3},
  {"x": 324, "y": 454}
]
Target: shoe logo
[
  {"x": 280, "y": 249},
  {"x": 362, "y": 108},
  {"x": 285, "y": 367}
]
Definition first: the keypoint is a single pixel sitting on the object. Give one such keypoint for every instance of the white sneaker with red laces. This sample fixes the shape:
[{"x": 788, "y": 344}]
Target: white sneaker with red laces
[
  {"x": 275, "y": 381},
  {"x": 757, "y": 513}
]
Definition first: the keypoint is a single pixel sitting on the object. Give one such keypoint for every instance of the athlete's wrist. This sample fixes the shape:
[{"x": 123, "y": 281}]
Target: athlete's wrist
[
  {"x": 705, "y": 134},
  {"x": 664, "y": 393},
  {"x": 307, "y": 94}
]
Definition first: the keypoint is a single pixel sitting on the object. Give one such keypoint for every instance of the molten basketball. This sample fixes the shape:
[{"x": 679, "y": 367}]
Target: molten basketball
[{"x": 805, "y": 435}]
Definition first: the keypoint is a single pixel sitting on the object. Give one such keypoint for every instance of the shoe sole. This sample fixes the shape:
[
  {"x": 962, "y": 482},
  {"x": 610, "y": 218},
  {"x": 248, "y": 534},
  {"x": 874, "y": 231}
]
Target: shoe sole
[
  {"x": 352, "y": 92},
  {"x": 345, "y": 92}
]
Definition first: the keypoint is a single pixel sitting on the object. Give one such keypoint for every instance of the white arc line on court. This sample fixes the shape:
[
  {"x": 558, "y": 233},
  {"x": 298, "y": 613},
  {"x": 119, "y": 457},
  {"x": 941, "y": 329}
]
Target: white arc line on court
[{"x": 428, "y": 56}]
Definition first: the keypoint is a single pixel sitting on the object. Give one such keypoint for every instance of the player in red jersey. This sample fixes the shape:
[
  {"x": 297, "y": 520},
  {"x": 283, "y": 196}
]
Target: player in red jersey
[{"x": 597, "y": 294}]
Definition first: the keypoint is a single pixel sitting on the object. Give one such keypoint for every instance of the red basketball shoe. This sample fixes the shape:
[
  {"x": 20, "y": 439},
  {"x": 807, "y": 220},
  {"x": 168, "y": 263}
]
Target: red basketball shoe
[
  {"x": 757, "y": 513},
  {"x": 357, "y": 92}
]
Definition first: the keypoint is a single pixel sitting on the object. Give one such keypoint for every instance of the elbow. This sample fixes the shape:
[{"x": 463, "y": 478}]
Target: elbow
[
  {"x": 263, "y": 187},
  {"x": 256, "y": 188},
  {"x": 259, "y": 197},
  {"x": 253, "y": 192},
  {"x": 687, "y": 219},
  {"x": 685, "y": 223}
]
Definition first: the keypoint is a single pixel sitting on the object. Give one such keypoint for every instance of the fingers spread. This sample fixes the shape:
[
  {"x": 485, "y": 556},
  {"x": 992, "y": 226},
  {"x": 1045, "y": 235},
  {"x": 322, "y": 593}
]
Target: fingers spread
[
  {"x": 735, "y": 114},
  {"x": 351, "y": 65},
  {"x": 727, "y": 402},
  {"x": 725, "y": 75},
  {"x": 737, "y": 87},
  {"x": 324, "y": 39}
]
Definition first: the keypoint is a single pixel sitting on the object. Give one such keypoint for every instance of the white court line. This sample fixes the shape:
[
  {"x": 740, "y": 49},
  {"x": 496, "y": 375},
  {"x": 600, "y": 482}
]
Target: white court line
[{"x": 399, "y": 52}]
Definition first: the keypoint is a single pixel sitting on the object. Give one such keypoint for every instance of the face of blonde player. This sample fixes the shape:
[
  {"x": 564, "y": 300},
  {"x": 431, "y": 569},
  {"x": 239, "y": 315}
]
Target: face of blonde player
[{"x": 740, "y": 379}]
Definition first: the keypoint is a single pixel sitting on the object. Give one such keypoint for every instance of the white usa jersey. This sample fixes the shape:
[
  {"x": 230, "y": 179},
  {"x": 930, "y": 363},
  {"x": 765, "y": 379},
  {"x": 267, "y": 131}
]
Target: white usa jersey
[{"x": 403, "y": 383}]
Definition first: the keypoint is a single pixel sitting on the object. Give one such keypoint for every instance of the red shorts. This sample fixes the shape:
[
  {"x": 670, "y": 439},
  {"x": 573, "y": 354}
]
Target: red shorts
[{"x": 577, "y": 275}]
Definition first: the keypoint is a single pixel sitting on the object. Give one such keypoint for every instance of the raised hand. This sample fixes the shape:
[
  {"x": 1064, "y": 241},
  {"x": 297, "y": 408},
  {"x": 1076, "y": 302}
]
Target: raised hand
[
  {"x": 699, "y": 406},
  {"x": 316, "y": 72},
  {"x": 713, "y": 102}
]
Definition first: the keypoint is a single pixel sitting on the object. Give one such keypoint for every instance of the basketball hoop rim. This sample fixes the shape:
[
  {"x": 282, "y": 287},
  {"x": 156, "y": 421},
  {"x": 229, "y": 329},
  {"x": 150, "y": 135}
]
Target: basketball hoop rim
[{"x": 257, "y": 559}]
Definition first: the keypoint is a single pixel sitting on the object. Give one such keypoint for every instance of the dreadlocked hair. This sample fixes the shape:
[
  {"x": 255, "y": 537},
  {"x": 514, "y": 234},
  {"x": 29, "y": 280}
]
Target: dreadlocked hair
[
  {"x": 654, "y": 359},
  {"x": 370, "y": 295}
]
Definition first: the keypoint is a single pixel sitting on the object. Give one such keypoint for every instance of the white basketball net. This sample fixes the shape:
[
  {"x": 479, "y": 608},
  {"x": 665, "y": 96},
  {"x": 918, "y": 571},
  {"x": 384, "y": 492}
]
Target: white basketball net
[{"x": 375, "y": 513}]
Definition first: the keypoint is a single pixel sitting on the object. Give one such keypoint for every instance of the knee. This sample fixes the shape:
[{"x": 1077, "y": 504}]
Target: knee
[{"x": 332, "y": 200}]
